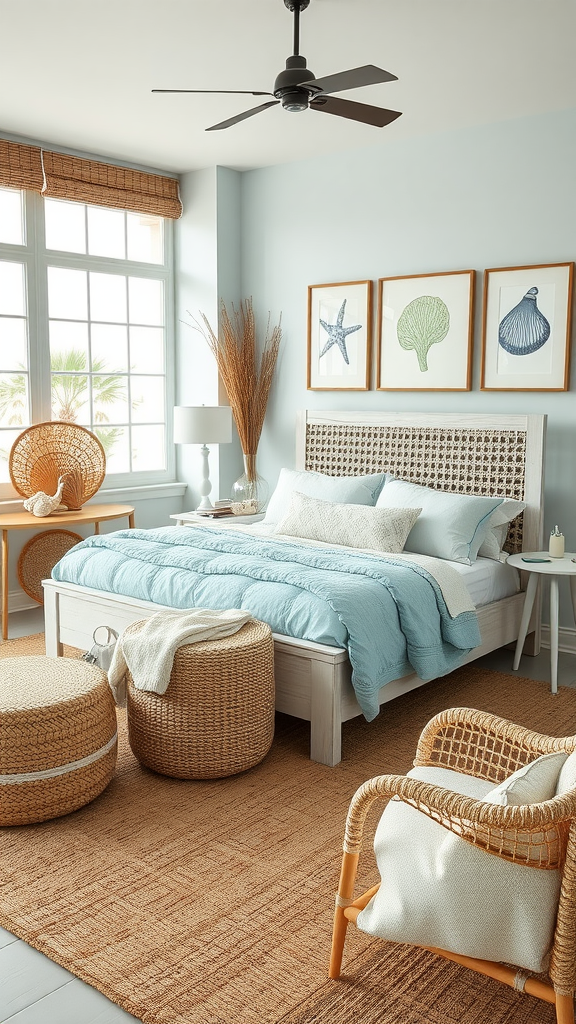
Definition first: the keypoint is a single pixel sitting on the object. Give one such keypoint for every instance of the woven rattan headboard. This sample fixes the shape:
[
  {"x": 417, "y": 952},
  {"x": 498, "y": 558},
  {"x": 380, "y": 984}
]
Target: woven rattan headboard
[{"x": 474, "y": 454}]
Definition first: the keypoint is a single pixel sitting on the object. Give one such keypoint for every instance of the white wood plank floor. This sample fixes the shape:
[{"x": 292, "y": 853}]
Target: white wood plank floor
[{"x": 34, "y": 990}]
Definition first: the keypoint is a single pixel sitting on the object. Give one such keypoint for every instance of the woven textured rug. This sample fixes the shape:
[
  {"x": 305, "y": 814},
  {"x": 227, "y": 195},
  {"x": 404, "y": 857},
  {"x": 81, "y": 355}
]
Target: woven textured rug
[{"x": 211, "y": 902}]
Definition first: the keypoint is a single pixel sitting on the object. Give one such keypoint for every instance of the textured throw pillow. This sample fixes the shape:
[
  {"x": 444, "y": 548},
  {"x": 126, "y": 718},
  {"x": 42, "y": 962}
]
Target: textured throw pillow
[
  {"x": 357, "y": 526},
  {"x": 450, "y": 526},
  {"x": 359, "y": 490},
  {"x": 531, "y": 784},
  {"x": 438, "y": 890},
  {"x": 567, "y": 777},
  {"x": 495, "y": 538}
]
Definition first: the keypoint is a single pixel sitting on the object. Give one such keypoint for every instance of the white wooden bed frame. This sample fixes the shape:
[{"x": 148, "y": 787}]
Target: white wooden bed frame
[{"x": 470, "y": 453}]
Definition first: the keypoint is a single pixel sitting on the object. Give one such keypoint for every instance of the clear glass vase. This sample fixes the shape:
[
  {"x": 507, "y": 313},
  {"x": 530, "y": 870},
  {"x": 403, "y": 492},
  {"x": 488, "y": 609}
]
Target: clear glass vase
[{"x": 250, "y": 490}]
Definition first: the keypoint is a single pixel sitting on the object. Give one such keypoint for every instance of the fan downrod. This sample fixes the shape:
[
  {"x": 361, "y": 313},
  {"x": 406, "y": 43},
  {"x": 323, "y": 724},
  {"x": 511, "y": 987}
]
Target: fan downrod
[{"x": 296, "y": 5}]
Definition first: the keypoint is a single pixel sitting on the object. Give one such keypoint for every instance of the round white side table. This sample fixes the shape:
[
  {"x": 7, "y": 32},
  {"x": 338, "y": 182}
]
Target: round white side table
[{"x": 554, "y": 568}]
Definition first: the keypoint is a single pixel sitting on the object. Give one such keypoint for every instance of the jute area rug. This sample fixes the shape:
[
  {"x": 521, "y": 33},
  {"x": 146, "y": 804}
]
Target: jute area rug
[{"x": 211, "y": 902}]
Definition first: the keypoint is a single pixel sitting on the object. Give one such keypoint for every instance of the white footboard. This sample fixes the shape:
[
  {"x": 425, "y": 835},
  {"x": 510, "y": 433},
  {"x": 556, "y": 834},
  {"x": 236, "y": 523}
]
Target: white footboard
[{"x": 312, "y": 680}]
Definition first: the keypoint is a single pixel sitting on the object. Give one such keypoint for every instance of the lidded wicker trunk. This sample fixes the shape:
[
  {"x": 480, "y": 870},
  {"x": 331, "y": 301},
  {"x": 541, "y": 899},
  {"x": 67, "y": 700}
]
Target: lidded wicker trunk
[
  {"x": 58, "y": 737},
  {"x": 217, "y": 715}
]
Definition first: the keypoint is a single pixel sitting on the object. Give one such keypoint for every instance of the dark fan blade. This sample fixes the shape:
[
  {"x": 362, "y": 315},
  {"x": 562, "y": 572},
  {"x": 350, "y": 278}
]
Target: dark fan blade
[
  {"x": 377, "y": 116},
  {"x": 242, "y": 116},
  {"x": 367, "y": 75},
  {"x": 236, "y": 92}
]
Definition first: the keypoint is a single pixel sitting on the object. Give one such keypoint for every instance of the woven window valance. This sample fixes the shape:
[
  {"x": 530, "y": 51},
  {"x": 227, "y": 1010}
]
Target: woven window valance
[
  {"x": 61, "y": 176},
  {"x": 20, "y": 166}
]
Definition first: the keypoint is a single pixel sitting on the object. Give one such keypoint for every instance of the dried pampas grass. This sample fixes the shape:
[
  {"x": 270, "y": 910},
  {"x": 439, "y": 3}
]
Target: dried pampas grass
[{"x": 246, "y": 377}]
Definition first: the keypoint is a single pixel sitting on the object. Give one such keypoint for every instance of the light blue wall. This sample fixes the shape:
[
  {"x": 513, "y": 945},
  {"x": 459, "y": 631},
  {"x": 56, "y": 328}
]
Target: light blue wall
[{"x": 495, "y": 196}]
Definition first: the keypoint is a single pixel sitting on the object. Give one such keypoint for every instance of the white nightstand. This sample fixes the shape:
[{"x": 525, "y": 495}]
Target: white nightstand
[
  {"x": 193, "y": 519},
  {"x": 554, "y": 568}
]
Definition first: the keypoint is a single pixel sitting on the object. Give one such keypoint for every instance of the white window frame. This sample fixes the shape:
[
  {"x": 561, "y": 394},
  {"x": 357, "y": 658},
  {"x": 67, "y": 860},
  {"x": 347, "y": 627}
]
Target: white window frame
[{"x": 37, "y": 259}]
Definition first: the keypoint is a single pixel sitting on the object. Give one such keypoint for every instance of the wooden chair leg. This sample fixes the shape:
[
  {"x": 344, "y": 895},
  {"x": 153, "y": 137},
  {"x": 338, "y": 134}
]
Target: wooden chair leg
[
  {"x": 564, "y": 1009},
  {"x": 343, "y": 899}
]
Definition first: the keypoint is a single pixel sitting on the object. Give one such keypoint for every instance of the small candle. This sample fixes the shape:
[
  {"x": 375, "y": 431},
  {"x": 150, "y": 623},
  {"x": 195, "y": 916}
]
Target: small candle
[{"x": 556, "y": 546}]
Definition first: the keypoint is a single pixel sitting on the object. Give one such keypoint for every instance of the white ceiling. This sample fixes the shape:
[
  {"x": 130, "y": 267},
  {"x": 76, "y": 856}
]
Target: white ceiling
[{"x": 78, "y": 74}]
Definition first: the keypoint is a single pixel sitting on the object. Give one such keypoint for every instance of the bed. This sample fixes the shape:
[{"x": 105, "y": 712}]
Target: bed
[{"x": 470, "y": 454}]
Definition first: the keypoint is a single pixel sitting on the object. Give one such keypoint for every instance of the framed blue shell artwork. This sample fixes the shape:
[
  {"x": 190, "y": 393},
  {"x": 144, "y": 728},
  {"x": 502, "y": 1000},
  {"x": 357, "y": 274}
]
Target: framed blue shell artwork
[{"x": 526, "y": 328}]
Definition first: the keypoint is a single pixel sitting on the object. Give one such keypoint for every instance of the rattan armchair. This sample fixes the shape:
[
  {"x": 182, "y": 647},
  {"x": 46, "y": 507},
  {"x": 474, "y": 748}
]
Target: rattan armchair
[{"x": 490, "y": 748}]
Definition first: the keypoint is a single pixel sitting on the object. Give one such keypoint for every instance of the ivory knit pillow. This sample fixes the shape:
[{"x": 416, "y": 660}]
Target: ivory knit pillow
[{"x": 356, "y": 526}]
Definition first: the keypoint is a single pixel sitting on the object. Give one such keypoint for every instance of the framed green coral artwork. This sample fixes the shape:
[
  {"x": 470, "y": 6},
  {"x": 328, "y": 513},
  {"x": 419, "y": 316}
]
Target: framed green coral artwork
[{"x": 425, "y": 324}]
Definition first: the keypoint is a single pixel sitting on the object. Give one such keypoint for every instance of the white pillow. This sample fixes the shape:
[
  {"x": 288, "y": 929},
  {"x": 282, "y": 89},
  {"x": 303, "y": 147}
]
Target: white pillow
[
  {"x": 493, "y": 543},
  {"x": 531, "y": 784},
  {"x": 357, "y": 526},
  {"x": 450, "y": 525},
  {"x": 438, "y": 890},
  {"x": 567, "y": 777},
  {"x": 359, "y": 490}
]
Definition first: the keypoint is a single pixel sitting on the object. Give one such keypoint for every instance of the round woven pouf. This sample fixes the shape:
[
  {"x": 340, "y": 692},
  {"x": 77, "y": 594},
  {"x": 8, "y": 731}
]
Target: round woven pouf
[
  {"x": 217, "y": 715},
  {"x": 58, "y": 737}
]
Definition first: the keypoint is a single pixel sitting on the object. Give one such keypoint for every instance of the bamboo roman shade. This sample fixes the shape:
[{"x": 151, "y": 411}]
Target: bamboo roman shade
[
  {"x": 61, "y": 176},
  {"x": 20, "y": 166}
]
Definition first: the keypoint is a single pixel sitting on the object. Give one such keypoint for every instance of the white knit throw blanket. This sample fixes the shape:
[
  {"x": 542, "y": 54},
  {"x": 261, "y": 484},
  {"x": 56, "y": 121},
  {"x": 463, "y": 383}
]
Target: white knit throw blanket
[{"x": 148, "y": 654}]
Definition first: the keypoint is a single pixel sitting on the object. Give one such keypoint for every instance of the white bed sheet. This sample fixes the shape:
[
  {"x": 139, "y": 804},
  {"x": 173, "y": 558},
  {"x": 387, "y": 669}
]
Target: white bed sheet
[{"x": 488, "y": 580}]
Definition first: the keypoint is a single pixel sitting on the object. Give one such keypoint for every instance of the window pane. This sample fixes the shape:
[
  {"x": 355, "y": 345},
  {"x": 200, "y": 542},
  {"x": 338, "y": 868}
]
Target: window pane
[
  {"x": 145, "y": 238},
  {"x": 67, "y": 293},
  {"x": 71, "y": 397},
  {"x": 145, "y": 301},
  {"x": 147, "y": 399},
  {"x": 106, "y": 232},
  {"x": 109, "y": 348},
  {"x": 147, "y": 349},
  {"x": 109, "y": 399},
  {"x": 148, "y": 448},
  {"x": 13, "y": 343},
  {"x": 65, "y": 225},
  {"x": 11, "y": 216},
  {"x": 68, "y": 345},
  {"x": 108, "y": 297},
  {"x": 14, "y": 400},
  {"x": 7, "y": 438},
  {"x": 115, "y": 443},
  {"x": 12, "y": 293}
]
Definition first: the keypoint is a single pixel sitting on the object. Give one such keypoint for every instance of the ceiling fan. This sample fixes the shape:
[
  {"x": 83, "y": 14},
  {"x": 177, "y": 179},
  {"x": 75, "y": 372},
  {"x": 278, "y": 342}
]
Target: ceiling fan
[{"x": 297, "y": 89}]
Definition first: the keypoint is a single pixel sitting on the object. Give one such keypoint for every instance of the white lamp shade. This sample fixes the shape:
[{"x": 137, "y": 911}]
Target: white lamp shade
[{"x": 202, "y": 424}]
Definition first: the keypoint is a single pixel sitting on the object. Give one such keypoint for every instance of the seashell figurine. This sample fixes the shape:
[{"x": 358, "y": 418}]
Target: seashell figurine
[
  {"x": 524, "y": 329},
  {"x": 42, "y": 504}
]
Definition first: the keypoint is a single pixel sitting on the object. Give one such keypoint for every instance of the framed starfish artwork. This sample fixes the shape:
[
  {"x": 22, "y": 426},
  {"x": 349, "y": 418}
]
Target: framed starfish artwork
[
  {"x": 339, "y": 336},
  {"x": 526, "y": 328},
  {"x": 425, "y": 326}
]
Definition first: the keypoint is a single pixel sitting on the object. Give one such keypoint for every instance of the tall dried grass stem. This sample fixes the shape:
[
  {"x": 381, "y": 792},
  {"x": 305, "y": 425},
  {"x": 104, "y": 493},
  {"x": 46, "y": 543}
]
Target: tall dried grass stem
[{"x": 246, "y": 378}]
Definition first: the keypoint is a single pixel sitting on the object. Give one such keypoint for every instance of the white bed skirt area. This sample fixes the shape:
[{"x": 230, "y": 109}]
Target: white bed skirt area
[{"x": 488, "y": 580}]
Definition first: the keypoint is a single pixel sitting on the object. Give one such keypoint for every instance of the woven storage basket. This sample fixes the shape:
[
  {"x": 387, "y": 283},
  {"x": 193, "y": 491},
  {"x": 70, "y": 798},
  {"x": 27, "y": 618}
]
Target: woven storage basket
[
  {"x": 39, "y": 556},
  {"x": 58, "y": 737},
  {"x": 46, "y": 451},
  {"x": 217, "y": 715}
]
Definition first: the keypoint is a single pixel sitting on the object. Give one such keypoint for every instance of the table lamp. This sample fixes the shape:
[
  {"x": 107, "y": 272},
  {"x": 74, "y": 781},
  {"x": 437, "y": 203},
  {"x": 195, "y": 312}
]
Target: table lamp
[{"x": 204, "y": 425}]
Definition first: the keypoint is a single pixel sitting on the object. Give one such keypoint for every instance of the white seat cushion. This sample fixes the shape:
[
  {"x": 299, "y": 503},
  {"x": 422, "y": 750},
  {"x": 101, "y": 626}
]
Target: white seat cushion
[{"x": 438, "y": 890}]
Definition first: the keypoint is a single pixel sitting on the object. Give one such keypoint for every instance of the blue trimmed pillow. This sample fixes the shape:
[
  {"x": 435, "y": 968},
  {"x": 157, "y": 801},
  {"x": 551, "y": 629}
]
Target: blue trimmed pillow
[
  {"x": 356, "y": 490},
  {"x": 451, "y": 526}
]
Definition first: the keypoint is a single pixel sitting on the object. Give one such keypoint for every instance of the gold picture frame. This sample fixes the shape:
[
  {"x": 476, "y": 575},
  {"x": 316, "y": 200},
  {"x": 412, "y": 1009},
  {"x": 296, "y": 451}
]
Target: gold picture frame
[
  {"x": 425, "y": 328},
  {"x": 526, "y": 320},
  {"x": 339, "y": 336}
]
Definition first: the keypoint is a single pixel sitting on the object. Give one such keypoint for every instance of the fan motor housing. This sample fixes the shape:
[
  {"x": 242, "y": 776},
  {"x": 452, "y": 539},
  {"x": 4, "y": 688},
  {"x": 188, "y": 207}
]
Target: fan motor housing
[{"x": 290, "y": 85}]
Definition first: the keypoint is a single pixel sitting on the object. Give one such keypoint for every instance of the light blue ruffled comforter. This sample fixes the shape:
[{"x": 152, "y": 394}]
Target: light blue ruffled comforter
[{"x": 390, "y": 615}]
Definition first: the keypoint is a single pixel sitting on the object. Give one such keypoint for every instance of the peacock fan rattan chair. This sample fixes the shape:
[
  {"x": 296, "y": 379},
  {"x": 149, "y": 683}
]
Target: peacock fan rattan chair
[{"x": 535, "y": 840}]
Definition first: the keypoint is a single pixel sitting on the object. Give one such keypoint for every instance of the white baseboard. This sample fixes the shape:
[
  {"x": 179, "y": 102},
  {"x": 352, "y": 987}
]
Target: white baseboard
[
  {"x": 566, "y": 638},
  {"x": 18, "y": 601}
]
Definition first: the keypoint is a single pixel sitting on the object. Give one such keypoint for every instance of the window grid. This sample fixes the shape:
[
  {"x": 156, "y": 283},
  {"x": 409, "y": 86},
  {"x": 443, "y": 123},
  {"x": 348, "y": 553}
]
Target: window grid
[{"x": 37, "y": 260}]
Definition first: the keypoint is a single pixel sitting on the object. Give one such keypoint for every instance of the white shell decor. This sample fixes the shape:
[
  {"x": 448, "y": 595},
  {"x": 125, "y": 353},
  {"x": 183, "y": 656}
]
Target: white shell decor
[
  {"x": 42, "y": 504},
  {"x": 524, "y": 329}
]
